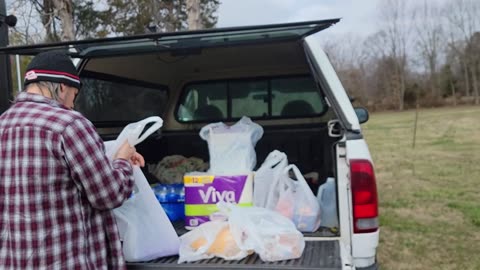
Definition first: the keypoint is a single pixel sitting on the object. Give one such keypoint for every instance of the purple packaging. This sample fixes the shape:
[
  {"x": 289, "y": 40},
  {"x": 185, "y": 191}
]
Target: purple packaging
[{"x": 203, "y": 191}]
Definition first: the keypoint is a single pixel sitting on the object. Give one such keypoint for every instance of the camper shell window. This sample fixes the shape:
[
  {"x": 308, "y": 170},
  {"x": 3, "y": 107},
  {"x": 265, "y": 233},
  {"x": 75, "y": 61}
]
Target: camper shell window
[
  {"x": 102, "y": 95},
  {"x": 257, "y": 98}
]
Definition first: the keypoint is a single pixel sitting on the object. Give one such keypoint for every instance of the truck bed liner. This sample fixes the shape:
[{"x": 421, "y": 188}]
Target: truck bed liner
[{"x": 317, "y": 255}]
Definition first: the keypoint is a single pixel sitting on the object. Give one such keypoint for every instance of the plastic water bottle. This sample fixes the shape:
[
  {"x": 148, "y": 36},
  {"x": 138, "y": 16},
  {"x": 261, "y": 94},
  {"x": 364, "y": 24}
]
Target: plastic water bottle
[
  {"x": 327, "y": 198},
  {"x": 162, "y": 194},
  {"x": 172, "y": 196},
  {"x": 181, "y": 193},
  {"x": 172, "y": 199}
]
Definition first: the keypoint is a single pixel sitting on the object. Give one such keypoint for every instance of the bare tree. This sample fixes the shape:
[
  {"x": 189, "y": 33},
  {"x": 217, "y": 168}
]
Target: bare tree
[
  {"x": 381, "y": 72},
  {"x": 56, "y": 16},
  {"x": 349, "y": 59},
  {"x": 473, "y": 51},
  {"x": 193, "y": 15},
  {"x": 429, "y": 36},
  {"x": 26, "y": 29},
  {"x": 394, "y": 15},
  {"x": 64, "y": 10},
  {"x": 463, "y": 20}
]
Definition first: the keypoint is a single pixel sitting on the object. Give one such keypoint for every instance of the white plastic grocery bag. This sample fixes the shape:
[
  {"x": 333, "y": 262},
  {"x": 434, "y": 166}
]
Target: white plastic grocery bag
[
  {"x": 271, "y": 235},
  {"x": 266, "y": 177},
  {"x": 145, "y": 229},
  {"x": 232, "y": 148},
  {"x": 133, "y": 134},
  {"x": 210, "y": 239},
  {"x": 297, "y": 201}
]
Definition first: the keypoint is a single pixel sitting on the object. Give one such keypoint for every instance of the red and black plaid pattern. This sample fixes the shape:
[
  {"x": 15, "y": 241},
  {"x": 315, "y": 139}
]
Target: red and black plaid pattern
[{"x": 57, "y": 189}]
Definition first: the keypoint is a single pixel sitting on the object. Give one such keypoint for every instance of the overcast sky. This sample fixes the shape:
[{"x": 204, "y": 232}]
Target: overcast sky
[{"x": 357, "y": 16}]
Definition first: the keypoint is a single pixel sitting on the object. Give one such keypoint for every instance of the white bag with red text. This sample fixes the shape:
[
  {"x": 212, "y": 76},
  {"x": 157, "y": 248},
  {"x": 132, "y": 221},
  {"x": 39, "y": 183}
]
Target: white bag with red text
[{"x": 144, "y": 227}]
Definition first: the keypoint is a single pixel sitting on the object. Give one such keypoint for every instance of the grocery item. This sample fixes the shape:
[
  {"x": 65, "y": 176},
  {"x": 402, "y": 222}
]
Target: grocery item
[
  {"x": 143, "y": 225},
  {"x": 172, "y": 199},
  {"x": 203, "y": 191},
  {"x": 232, "y": 148},
  {"x": 327, "y": 198},
  {"x": 272, "y": 236},
  {"x": 213, "y": 238},
  {"x": 267, "y": 176},
  {"x": 296, "y": 200},
  {"x": 171, "y": 169}
]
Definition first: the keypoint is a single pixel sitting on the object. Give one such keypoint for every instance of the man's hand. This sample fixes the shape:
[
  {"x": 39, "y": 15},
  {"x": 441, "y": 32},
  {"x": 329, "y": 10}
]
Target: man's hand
[
  {"x": 137, "y": 160},
  {"x": 129, "y": 153}
]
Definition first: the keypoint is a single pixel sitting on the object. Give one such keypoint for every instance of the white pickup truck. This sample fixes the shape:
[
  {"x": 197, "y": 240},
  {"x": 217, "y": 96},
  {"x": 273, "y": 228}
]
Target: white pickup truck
[{"x": 277, "y": 75}]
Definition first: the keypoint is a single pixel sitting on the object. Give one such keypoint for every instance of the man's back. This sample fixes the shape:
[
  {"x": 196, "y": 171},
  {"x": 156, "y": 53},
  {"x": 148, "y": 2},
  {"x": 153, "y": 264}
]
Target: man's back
[{"x": 46, "y": 219}]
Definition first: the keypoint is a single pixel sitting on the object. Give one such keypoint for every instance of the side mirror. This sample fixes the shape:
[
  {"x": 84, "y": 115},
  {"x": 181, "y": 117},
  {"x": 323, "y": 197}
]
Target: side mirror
[{"x": 362, "y": 114}]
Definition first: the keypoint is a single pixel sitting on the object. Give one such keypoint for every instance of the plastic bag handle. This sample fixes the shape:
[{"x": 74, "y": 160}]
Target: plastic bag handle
[
  {"x": 254, "y": 129},
  {"x": 132, "y": 131},
  {"x": 158, "y": 123},
  {"x": 208, "y": 129},
  {"x": 276, "y": 158},
  {"x": 298, "y": 175}
]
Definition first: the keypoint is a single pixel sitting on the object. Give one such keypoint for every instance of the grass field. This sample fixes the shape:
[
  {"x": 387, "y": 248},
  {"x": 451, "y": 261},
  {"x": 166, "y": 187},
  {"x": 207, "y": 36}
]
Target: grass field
[{"x": 430, "y": 195}]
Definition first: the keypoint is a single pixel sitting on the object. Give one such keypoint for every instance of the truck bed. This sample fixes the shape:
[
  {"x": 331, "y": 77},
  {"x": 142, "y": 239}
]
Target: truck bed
[
  {"x": 317, "y": 255},
  {"x": 311, "y": 149},
  {"x": 322, "y": 254}
]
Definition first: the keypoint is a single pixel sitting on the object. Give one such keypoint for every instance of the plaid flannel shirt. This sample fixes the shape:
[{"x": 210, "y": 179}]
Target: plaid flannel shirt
[{"x": 57, "y": 189}]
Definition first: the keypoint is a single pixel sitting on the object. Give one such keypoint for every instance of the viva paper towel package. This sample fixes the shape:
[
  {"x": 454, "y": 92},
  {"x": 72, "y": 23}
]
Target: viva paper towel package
[{"x": 203, "y": 191}]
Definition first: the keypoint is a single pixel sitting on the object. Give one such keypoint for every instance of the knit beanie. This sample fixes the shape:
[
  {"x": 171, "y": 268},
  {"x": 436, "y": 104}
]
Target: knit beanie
[{"x": 52, "y": 66}]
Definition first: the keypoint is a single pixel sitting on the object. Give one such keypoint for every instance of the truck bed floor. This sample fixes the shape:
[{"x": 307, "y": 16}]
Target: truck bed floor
[{"x": 317, "y": 255}]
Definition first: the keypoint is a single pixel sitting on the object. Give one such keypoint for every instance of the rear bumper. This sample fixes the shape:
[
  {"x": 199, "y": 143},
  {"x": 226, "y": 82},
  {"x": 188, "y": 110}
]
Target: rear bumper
[{"x": 365, "y": 249}]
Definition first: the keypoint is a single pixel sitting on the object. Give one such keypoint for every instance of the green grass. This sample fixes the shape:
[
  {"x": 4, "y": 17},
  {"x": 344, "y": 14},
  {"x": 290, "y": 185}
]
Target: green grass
[{"x": 429, "y": 195}]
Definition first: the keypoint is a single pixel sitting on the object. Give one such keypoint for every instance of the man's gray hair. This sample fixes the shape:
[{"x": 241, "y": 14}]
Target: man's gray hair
[{"x": 52, "y": 87}]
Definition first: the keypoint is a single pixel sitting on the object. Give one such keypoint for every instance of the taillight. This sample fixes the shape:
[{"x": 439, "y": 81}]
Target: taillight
[{"x": 364, "y": 195}]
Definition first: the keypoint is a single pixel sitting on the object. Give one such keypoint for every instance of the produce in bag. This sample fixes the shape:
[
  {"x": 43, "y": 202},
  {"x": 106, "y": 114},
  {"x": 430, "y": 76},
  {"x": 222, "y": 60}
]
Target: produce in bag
[
  {"x": 272, "y": 236},
  {"x": 210, "y": 239},
  {"x": 297, "y": 201}
]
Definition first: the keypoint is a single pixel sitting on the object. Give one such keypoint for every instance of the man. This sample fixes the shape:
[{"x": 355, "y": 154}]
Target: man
[{"x": 57, "y": 187}]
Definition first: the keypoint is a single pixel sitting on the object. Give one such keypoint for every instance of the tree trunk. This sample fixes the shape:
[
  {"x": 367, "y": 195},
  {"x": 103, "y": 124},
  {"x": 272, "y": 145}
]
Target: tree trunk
[
  {"x": 193, "y": 15},
  {"x": 400, "y": 85},
  {"x": 466, "y": 78},
  {"x": 47, "y": 18},
  {"x": 475, "y": 84},
  {"x": 64, "y": 10},
  {"x": 402, "y": 91},
  {"x": 454, "y": 94},
  {"x": 433, "y": 79}
]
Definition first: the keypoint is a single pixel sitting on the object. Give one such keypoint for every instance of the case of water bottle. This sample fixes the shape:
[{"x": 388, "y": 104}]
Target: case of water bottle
[{"x": 172, "y": 199}]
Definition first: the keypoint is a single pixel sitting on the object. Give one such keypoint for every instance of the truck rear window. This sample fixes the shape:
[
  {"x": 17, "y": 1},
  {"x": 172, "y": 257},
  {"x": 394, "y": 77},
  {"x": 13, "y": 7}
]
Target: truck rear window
[
  {"x": 106, "y": 98},
  {"x": 276, "y": 97}
]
